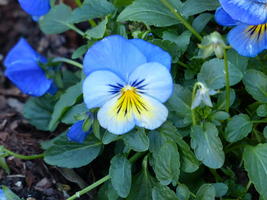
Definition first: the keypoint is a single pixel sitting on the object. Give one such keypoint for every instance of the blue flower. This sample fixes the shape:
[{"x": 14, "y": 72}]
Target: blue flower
[
  {"x": 36, "y": 8},
  {"x": 76, "y": 133},
  {"x": 2, "y": 195},
  {"x": 248, "y": 40},
  {"x": 129, "y": 80},
  {"x": 251, "y": 12},
  {"x": 22, "y": 68}
]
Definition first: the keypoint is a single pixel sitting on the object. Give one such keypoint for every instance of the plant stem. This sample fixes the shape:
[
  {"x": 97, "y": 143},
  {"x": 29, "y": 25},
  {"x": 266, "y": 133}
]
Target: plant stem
[
  {"x": 181, "y": 19},
  {"x": 69, "y": 61},
  {"x": 32, "y": 157},
  {"x": 92, "y": 23},
  {"x": 227, "y": 82},
  {"x": 74, "y": 28},
  {"x": 102, "y": 180},
  {"x": 260, "y": 121},
  {"x": 182, "y": 64},
  {"x": 78, "y": 3},
  {"x": 194, "y": 121}
]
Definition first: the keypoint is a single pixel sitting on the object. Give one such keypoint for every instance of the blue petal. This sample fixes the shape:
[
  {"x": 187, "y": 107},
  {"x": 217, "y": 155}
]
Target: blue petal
[
  {"x": 2, "y": 195},
  {"x": 153, "y": 53},
  {"x": 29, "y": 78},
  {"x": 113, "y": 53},
  {"x": 248, "y": 40},
  {"x": 99, "y": 87},
  {"x": 76, "y": 133},
  {"x": 152, "y": 79},
  {"x": 35, "y": 7},
  {"x": 22, "y": 51},
  {"x": 246, "y": 11},
  {"x": 223, "y": 18}
]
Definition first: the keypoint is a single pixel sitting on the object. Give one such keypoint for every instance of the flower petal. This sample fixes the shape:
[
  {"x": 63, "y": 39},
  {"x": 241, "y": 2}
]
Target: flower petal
[
  {"x": 22, "y": 51},
  {"x": 153, "y": 53},
  {"x": 29, "y": 78},
  {"x": 99, "y": 87},
  {"x": 248, "y": 40},
  {"x": 154, "y": 115},
  {"x": 223, "y": 18},
  {"x": 76, "y": 133},
  {"x": 35, "y": 7},
  {"x": 112, "y": 121},
  {"x": 246, "y": 11},
  {"x": 113, "y": 53},
  {"x": 152, "y": 79}
]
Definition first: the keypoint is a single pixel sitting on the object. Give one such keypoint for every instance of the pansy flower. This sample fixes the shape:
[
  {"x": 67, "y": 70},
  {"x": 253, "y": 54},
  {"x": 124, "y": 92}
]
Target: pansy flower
[
  {"x": 129, "y": 80},
  {"x": 22, "y": 68},
  {"x": 76, "y": 132},
  {"x": 36, "y": 8},
  {"x": 247, "y": 39},
  {"x": 2, "y": 195}
]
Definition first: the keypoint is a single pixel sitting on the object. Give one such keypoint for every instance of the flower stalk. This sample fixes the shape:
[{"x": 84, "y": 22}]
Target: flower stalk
[
  {"x": 20, "y": 156},
  {"x": 227, "y": 82}
]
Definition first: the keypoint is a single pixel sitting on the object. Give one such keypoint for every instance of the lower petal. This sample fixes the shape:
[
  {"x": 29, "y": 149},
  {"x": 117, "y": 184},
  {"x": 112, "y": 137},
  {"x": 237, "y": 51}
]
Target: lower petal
[
  {"x": 115, "y": 122},
  {"x": 154, "y": 115},
  {"x": 248, "y": 40}
]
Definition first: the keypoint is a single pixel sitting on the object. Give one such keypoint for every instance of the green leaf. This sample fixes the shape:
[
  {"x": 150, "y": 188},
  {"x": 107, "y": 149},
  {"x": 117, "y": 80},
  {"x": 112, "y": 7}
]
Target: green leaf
[
  {"x": 91, "y": 9},
  {"x": 150, "y": 12},
  {"x": 180, "y": 101},
  {"x": 38, "y": 111},
  {"x": 256, "y": 85},
  {"x": 255, "y": 162},
  {"x": 167, "y": 163},
  {"x": 238, "y": 128},
  {"x": 206, "y": 192},
  {"x": 98, "y": 31},
  {"x": 80, "y": 52},
  {"x": 64, "y": 153},
  {"x": 220, "y": 115},
  {"x": 193, "y": 7},
  {"x": 4, "y": 165},
  {"x": 161, "y": 192},
  {"x": 70, "y": 117},
  {"x": 9, "y": 194},
  {"x": 137, "y": 140},
  {"x": 68, "y": 99},
  {"x": 221, "y": 189},
  {"x": 142, "y": 185},
  {"x": 109, "y": 137},
  {"x": 121, "y": 175},
  {"x": 221, "y": 99},
  {"x": 56, "y": 21},
  {"x": 262, "y": 110},
  {"x": 237, "y": 60},
  {"x": 207, "y": 145},
  {"x": 212, "y": 73},
  {"x": 201, "y": 21},
  {"x": 182, "y": 192}
]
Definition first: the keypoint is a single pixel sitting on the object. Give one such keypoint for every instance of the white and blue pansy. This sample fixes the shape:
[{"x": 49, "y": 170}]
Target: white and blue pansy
[
  {"x": 128, "y": 82},
  {"x": 248, "y": 40},
  {"x": 36, "y": 8},
  {"x": 251, "y": 12},
  {"x": 22, "y": 68}
]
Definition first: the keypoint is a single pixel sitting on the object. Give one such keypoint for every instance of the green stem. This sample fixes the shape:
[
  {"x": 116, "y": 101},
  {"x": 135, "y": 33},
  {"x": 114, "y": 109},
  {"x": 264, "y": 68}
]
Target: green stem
[
  {"x": 227, "y": 82},
  {"x": 69, "y": 61},
  {"x": 181, "y": 19},
  {"x": 32, "y": 157},
  {"x": 92, "y": 23},
  {"x": 248, "y": 185},
  {"x": 102, "y": 180},
  {"x": 78, "y": 3},
  {"x": 74, "y": 28},
  {"x": 182, "y": 64},
  {"x": 260, "y": 121},
  {"x": 194, "y": 121}
]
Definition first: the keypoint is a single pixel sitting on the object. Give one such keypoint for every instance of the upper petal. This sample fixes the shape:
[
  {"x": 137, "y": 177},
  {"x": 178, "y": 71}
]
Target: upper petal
[
  {"x": 113, "y": 53},
  {"x": 35, "y": 7},
  {"x": 76, "y": 133},
  {"x": 223, "y": 18},
  {"x": 152, "y": 79},
  {"x": 246, "y": 11},
  {"x": 29, "y": 78},
  {"x": 153, "y": 53},
  {"x": 99, "y": 87},
  {"x": 248, "y": 40},
  {"x": 21, "y": 52}
]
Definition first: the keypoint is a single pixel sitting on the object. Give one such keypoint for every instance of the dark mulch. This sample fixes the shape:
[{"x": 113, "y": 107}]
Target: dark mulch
[{"x": 28, "y": 179}]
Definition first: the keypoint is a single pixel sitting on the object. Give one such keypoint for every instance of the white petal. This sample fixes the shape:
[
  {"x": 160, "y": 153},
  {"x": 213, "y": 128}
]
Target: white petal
[
  {"x": 97, "y": 90},
  {"x": 154, "y": 115},
  {"x": 155, "y": 79},
  {"x": 115, "y": 123}
]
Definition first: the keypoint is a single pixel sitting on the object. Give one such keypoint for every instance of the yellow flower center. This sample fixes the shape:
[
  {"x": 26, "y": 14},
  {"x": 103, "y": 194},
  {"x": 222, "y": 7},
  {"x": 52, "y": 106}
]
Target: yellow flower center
[{"x": 257, "y": 31}]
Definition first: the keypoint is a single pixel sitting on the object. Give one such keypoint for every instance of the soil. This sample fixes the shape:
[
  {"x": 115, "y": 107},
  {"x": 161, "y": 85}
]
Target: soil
[{"x": 32, "y": 179}]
